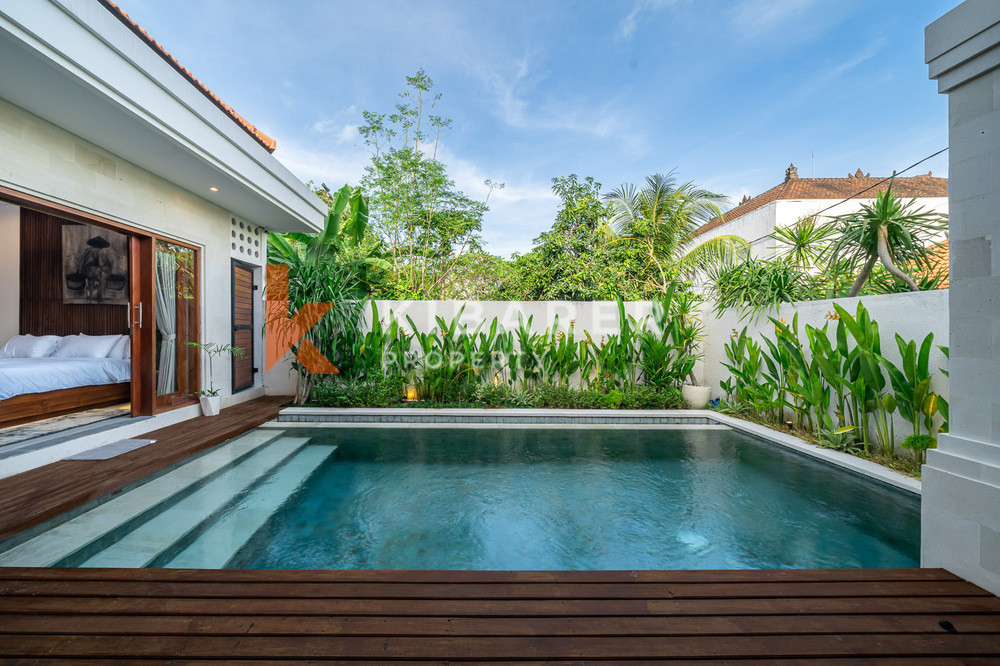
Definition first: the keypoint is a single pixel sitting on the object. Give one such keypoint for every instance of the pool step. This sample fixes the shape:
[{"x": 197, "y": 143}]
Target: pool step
[
  {"x": 144, "y": 544},
  {"x": 220, "y": 537},
  {"x": 99, "y": 523}
]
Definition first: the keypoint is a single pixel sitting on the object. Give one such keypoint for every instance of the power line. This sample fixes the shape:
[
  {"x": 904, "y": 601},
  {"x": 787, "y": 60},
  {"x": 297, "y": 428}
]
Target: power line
[
  {"x": 894, "y": 174},
  {"x": 855, "y": 195}
]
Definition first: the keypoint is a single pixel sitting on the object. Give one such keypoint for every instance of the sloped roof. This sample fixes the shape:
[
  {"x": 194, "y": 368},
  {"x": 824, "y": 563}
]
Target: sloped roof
[
  {"x": 796, "y": 188},
  {"x": 267, "y": 142}
]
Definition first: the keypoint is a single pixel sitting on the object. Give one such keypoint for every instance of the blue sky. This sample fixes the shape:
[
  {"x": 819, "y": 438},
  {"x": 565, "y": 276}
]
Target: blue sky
[{"x": 726, "y": 92}]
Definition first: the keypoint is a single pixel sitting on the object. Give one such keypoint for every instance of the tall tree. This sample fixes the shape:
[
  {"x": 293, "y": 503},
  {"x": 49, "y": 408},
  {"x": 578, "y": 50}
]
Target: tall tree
[
  {"x": 572, "y": 261},
  {"x": 662, "y": 217},
  {"x": 424, "y": 221}
]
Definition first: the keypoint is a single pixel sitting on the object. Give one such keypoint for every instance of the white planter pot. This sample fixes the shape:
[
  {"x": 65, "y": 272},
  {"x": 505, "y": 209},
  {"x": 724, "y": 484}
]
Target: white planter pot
[
  {"x": 696, "y": 397},
  {"x": 210, "y": 404}
]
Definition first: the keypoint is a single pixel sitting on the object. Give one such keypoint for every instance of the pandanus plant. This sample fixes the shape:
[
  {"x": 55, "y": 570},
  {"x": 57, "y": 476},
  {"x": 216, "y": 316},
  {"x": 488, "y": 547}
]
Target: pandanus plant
[{"x": 889, "y": 231}]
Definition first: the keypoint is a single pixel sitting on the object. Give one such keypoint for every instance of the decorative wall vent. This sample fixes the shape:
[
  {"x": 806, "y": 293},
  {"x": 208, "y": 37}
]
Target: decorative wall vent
[{"x": 248, "y": 242}]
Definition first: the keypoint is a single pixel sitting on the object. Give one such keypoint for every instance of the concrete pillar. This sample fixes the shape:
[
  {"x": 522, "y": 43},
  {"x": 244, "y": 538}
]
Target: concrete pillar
[{"x": 961, "y": 481}]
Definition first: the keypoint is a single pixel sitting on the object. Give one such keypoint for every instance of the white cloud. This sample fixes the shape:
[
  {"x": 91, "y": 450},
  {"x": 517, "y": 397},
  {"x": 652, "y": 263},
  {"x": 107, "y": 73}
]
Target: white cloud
[
  {"x": 321, "y": 165},
  {"x": 512, "y": 89},
  {"x": 630, "y": 23},
  {"x": 333, "y": 125},
  {"x": 518, "y": 213},
  {"x": 758, "y": 18},
  {"x": 347, "y": 132}
]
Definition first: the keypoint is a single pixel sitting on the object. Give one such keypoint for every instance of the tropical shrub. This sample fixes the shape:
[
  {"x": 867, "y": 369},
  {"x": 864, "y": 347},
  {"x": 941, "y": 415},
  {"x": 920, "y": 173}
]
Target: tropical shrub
[
  {"x": 920, "y": 444},
  {"x": 640, "y": 366},
  {"x": 373, "y": 391},
  {"x": 841, "y": 388}
]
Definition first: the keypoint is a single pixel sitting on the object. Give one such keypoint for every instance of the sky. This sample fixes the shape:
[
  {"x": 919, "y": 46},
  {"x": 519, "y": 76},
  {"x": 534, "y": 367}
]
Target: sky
[{"x": 725, "y": 92}]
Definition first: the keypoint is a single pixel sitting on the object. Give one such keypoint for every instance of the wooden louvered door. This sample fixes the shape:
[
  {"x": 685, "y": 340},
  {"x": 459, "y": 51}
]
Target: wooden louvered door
[{"x": 243, "y": 297}]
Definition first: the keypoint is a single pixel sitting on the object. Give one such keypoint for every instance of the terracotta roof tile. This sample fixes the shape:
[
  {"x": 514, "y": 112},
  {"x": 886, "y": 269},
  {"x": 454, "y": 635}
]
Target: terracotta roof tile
[
  {"x": 834, "y": 188},
  {"x": 261, "y": 138},
  {"x": 938, "y": 257}
]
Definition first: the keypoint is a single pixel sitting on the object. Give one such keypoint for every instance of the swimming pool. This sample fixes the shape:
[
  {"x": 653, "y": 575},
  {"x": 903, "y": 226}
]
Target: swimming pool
[{"x": 490, "y": 498}]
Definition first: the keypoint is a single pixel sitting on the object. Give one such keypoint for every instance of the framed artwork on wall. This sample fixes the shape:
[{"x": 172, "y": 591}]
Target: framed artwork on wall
[{"x": 95, "y": 265}]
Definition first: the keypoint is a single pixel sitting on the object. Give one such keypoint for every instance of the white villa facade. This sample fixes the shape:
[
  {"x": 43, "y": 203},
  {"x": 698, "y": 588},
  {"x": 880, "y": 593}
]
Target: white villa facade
[
  {"x": 103, "y": 133},
  {"x": 796, "y": 198}
]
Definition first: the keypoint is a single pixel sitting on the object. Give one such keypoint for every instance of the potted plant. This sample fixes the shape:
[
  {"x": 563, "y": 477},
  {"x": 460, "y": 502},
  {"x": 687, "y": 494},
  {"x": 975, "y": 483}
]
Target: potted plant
[{"x": 209, "y": 398}]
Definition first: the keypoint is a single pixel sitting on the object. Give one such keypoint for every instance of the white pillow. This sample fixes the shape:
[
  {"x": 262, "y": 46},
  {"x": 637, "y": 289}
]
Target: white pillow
[
  {"x": 122, "y": 349},
  {"x": 30, "y": 346},
  {"x": 86, "y": 346}
]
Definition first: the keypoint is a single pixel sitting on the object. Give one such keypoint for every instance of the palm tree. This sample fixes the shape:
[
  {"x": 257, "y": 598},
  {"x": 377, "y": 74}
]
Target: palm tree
[
  {"x": 801, "y": 244},
  {"x": 664, "y": 216},
  {"x": 887, "y": 230}
]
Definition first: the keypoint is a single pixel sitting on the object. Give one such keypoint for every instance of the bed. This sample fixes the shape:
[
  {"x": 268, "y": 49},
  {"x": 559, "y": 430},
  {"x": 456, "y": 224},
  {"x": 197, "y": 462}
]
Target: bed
[{"x": 34, "y": 387}]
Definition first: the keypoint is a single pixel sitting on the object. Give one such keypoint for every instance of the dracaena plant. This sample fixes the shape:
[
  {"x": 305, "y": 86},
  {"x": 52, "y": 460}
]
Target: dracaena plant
[{"x": 889, "y": 231}]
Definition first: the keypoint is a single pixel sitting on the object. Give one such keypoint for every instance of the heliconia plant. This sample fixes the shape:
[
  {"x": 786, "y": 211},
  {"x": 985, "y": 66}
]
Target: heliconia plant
[
  {"x": 837, "y": 386},
  {"x": 911, "y": 382}
]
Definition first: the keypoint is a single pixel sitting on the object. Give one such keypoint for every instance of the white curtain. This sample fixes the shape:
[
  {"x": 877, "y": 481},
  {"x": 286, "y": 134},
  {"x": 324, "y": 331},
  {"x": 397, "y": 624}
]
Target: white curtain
[{"x": 166, "y": 321}]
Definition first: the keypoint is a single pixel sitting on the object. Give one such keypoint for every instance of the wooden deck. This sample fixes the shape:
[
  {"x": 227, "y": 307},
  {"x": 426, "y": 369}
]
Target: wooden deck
[
  {"x": 98, "y": 616},
  {"x": 37, "y": 495},
  {"x": 816, "y": 617}
]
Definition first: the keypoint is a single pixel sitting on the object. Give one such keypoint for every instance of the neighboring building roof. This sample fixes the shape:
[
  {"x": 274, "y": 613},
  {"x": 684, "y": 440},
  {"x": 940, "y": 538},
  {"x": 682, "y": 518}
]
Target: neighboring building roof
[
  {"x": 833, "y": 188},
  {"x": 261, "y": 138},
  {"x": 938, "y": 258}
]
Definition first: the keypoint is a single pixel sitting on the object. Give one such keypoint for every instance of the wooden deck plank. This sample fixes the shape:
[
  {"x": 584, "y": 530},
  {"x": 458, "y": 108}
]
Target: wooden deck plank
[
  {"x": 836, "y": 661},
  {"x": 32, "y": 497},
  {"x": 496, "y": 608},
  {"x": 636, "y": 647},
  {"x": 278, "y": 625}
]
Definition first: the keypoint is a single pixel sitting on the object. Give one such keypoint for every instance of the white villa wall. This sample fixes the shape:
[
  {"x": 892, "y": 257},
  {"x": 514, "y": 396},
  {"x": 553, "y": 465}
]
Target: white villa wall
[
  {"x": 911, "y": 315},
  {"x": 960, "y": 510},
  {"x": 760, "y": 223},
  {"x": 755, "y": 226},
  {"x": 10, "y": 277},
  {"x": 41, "y": 159}
]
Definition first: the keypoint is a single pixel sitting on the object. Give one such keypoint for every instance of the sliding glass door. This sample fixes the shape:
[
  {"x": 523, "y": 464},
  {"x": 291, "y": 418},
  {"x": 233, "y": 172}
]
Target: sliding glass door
[{"x": 177, "y": 322}]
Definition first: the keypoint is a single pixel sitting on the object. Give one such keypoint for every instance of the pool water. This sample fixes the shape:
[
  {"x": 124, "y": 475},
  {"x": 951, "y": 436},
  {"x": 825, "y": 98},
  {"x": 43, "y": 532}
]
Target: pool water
[
  {"x": 580, "y": 499},
  {"x": 400, "y": 498}
]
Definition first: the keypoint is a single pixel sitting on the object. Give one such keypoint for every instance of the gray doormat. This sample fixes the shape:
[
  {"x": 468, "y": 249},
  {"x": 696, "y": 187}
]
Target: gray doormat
[{"x": 111, "y": 450}]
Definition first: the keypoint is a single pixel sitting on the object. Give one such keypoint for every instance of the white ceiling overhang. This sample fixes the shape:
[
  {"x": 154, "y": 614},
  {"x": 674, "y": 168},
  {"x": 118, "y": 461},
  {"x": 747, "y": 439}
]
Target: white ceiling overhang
[{"x": 74, "y": 64}]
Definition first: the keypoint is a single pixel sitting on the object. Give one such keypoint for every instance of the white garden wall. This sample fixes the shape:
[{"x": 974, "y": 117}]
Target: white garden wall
[
  {"x": 596, "y": 317},
  {"x": 911, "y": 315}
]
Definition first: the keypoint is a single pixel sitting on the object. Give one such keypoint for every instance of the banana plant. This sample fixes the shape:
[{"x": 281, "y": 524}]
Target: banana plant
[
  {"x": 746, "y": 362},
  {"x": 885, "y": 429},
  {"x": 529, "y": 348},
  {"x": 561, "y": 355},
  {"x": 805, "y": 381},
  {"x": 865, "y": 380},
  {"x": 911, "y": 383}
]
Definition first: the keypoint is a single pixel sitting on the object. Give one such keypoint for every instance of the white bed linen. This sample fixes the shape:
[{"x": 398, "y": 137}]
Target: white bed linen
[{"x": 38, "y": 375}]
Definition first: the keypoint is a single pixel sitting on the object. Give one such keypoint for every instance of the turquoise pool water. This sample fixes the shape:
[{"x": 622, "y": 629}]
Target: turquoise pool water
[
  {"x": 487, "y": 498},
  {"x": 580, "y": 499}
]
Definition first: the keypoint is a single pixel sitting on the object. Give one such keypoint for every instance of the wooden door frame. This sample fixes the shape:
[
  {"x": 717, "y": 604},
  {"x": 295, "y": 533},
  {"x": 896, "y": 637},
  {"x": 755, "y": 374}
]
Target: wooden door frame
[{"x": 142, "y": 295}]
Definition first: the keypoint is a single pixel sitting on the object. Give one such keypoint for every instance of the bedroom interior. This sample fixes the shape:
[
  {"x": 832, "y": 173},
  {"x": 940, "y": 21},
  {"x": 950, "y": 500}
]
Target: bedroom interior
[{"x": 78, "y": 298}]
